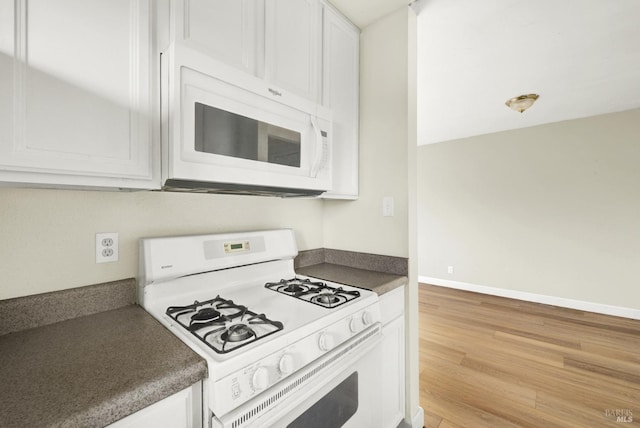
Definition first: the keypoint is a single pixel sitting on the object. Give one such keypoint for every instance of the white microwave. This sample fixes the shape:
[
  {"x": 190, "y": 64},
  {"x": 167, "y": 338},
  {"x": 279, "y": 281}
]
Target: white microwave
[{"x": 220, "y": 134}]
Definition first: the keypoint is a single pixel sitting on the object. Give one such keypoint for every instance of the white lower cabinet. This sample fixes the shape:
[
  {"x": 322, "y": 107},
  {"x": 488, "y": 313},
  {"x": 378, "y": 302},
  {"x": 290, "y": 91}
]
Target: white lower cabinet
[
  {"x": 180, "y": 410},
  {"x": 392, "y": 373}
]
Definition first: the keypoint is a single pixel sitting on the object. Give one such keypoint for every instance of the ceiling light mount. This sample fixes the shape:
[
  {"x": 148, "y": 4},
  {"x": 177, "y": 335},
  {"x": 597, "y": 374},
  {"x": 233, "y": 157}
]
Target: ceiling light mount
[{"x": 522, "y": 102}]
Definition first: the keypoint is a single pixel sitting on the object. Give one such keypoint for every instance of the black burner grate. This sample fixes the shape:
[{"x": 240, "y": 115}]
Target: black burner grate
[
  {"x": 234, "y": 323},
  {"x": 316, "y": 292}
]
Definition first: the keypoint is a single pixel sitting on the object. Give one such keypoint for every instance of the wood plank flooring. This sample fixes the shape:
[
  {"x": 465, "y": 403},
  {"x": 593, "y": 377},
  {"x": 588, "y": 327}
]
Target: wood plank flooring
[{"x": 488, "y": 361}]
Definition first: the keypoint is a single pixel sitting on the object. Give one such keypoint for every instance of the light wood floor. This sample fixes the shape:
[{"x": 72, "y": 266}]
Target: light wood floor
[{"x": 488, "y": 361}]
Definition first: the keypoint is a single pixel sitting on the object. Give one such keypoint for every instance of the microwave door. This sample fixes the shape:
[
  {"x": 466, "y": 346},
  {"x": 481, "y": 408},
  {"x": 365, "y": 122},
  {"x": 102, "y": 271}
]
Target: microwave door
[{"x": 220, "y": 133}]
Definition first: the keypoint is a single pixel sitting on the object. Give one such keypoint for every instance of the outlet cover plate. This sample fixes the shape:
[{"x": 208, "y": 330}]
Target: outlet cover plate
[{"x": 107, "y": 247}]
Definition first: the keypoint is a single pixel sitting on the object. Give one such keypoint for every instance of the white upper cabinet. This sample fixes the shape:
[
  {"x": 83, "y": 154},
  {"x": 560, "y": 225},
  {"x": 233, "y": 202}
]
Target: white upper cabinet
[
  {"x": 76, "y": 81},
  {"x": 229, "y": 30},
  {"x": 340, "y": 93},
  {"x": 80, "y": 79},
  {"x": 292, "y": 45},
  {"x": 276, "y": 41}
]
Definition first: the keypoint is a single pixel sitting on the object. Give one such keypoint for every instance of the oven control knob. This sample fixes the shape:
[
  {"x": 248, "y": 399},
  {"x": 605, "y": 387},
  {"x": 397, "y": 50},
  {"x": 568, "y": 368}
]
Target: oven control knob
[
  {"x": 354, "y": 325},
  {"x": 260, "y": 379},
  {"x": 325, "y": 342},
  {"x": 286, "y": 364},
  {"x": 367, "y": 318}
]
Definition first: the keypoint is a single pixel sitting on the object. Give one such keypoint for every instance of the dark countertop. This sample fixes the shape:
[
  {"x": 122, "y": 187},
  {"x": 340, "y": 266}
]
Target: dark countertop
[
  {"x": 91, "y": 371},
  {"x": 378, "y": 282}
]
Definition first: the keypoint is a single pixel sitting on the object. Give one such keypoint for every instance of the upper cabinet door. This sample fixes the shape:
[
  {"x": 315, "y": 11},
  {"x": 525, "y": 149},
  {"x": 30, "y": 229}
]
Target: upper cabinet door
[
  {"x": 340, "y": 93},
  {"x": 76, "y": 105},
  {"x": 228, "y": 30},
  {"x": 292, "y": 46},
  {"x": 277, "y": 41}
]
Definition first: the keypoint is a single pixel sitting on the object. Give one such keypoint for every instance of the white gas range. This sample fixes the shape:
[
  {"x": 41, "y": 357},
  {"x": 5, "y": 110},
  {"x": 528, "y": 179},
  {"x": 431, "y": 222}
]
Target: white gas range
[{"x": 282, "y": 349}]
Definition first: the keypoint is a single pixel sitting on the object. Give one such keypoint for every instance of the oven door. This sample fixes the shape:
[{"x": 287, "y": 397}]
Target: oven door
[{"x": 342, "y": 389}]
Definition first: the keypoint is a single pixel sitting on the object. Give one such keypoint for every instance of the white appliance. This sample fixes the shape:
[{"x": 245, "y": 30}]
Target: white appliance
[
  {"x": 282, "y": 350},
  {"x": 227, "y": 132}
]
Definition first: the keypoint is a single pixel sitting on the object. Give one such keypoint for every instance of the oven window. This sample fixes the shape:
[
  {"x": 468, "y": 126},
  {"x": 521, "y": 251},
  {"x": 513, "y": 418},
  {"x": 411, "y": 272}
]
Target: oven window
[
  {"x": 332, "y": 410},
  {"x": 220, "y": 132}
]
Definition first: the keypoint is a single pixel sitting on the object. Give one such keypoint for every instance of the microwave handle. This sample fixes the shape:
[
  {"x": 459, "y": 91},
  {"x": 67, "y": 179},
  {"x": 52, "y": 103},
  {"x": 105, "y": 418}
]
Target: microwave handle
[{"x": 317, "y": 159}]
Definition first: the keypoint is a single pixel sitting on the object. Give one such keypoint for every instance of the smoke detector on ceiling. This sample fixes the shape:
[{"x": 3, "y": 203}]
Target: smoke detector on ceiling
[{"x": 522, "y": 102}]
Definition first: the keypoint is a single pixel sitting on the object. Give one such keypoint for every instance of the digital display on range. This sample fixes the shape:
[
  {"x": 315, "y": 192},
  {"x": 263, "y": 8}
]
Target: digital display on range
[{"x": 234, "y": 247}]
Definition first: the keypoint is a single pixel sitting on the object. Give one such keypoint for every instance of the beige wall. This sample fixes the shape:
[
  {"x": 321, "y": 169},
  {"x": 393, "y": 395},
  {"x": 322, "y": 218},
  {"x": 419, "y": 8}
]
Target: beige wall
[
  {"x": 359, "y": 225},
  {"x": 551, "y": 210},
  {"x": 47, "y": 237}
]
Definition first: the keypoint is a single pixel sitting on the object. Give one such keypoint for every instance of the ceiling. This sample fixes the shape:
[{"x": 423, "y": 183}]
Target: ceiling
[
  {"x": 364, "y": 12},
  {"x": 581, "y": 56}
]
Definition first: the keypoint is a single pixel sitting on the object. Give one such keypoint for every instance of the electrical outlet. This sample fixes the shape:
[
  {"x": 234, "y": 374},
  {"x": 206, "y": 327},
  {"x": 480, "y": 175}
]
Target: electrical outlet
[
  {"x": 106, "y": 247},
  {"x": 450, "y": 270}
]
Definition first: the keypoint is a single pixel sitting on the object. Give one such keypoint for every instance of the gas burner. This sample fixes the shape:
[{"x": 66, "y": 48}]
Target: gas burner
[
  {"x": 237, "y": 333},
  {"x": 315, "y": 292},
  {"x": 326, "y": 299},
  {"x": 195, "y": 325},
  {"x": 294, "y": 288},
  {"x": 205, "y": 314},
  {"x": 222, "y": 324}
]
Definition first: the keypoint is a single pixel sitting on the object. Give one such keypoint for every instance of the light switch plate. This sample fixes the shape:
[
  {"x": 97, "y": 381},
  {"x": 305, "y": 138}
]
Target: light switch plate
[{"x": 387, "y": 206}]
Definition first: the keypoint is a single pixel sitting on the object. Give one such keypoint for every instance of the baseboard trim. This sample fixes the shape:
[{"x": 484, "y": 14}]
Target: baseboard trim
[
  {"x": 418, "y": 419},
  {"x": 599, "y": 308}
]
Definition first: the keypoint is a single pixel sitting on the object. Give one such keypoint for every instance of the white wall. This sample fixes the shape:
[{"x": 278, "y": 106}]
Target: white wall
[
  {"x": 47, "y": 237},
  {"x": 359, "y": 225},
  {"x": 552, "y": 210}
]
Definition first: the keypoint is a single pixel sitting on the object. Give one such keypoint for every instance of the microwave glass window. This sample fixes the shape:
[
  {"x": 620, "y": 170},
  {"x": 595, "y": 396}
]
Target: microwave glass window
[{"x": 220, "y": 132}]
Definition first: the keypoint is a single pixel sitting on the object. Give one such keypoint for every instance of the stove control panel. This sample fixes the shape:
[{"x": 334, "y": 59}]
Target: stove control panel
[{"x": 242, "y": 385}]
